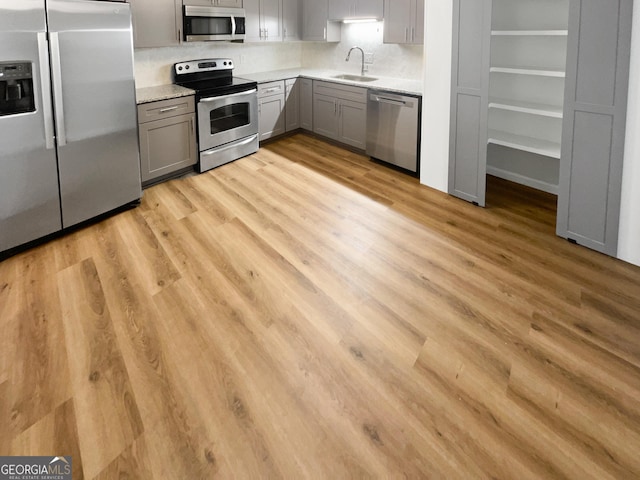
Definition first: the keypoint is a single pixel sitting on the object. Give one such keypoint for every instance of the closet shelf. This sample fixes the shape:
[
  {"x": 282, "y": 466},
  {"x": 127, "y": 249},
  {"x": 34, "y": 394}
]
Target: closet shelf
[
  {"x": 535, "y": 71},
  {"x": 530, "y": 33},
  {"x": 527, "y": 144},
  {"x": 541, "y": 109}
]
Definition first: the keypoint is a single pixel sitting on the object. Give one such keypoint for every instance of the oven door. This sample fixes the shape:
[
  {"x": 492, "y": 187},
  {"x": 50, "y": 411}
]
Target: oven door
[{"x": 223, "y": 119}]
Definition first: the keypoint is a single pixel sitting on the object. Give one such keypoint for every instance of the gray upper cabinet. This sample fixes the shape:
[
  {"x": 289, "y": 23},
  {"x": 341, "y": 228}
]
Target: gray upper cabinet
[
  {"x": 404, "y": 21},
  {"x": 343, "y": 9},
  {"x": 156, "y": 23},
  {"x": 470, "y": 99},
  {"x": 263, "y": 20},
  {"x": 291, "y": 20},
  {"x": 596, "y": 90},
  {"x": 316, "y": 26}
]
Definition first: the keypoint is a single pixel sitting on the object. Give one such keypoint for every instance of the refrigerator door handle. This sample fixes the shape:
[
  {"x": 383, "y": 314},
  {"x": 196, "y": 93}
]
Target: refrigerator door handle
[
  {"x": 45, "y": 87},
  {"x": 56, "y": 73}
]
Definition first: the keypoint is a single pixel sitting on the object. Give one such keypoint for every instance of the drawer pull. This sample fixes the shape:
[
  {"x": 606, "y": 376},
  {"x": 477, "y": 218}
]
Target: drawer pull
[{"x": 168, "y": 109}]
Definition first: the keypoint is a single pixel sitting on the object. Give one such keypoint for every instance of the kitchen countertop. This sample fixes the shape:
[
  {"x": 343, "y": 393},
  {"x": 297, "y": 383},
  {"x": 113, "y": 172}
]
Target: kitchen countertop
[
  {"x": 162, "y": 92},
  {"x": 390, "y": 84}
]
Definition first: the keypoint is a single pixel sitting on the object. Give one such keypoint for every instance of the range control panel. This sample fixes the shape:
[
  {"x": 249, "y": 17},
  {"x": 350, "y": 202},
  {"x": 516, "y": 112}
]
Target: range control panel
[{"x": 206, "y": 65}]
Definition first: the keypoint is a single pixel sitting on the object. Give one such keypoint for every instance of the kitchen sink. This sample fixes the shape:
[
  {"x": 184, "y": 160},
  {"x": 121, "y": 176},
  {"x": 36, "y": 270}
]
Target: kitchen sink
[{"x": 355, "y": 78}]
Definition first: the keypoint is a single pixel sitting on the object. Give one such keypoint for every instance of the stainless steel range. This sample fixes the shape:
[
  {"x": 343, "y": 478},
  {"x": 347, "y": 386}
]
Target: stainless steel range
[{"x": 227, "y": 110}]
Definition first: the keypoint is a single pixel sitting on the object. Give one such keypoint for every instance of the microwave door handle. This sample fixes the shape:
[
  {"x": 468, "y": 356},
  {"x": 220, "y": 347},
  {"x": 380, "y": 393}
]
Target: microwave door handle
[
  {"x": 233, "y": 95},
  {"x": 233, "y": 25},
  {"x": 45, "y": 87}
]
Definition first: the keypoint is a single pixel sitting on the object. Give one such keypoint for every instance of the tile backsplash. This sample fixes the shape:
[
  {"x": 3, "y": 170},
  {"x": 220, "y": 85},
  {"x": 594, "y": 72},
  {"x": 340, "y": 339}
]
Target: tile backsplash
[{"x": 153, "y": 65}]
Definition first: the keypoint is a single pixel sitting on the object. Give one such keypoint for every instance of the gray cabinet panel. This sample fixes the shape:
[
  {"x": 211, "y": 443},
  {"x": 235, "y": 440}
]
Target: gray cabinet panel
[
  {"x": 324, "y": 116},
  {"x": 352, "y": 124},
  {"x": 292, "y": 102},
  {"x": 468, "y": 145},
  {"x": 470, "y": 99},
  {"x": 597, "y": 53},
  {"x": 594, "y": 122},
  {"x": 306, "y": 103},
  {"x": 591, "y": 149}
]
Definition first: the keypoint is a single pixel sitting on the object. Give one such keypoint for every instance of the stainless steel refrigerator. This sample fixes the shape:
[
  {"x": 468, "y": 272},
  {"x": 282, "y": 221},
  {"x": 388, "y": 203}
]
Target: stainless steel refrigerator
[{"x": 68, "y": 125}]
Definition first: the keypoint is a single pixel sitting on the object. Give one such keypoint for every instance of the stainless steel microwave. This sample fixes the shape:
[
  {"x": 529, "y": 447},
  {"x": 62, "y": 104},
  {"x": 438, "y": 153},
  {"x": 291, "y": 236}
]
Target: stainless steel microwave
[{"x": 203, "y": 24}]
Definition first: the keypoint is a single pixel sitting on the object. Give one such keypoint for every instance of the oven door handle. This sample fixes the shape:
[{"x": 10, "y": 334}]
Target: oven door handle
[
  {"x": 233, "y": 95},
  {"x": 242, "y": 143}
]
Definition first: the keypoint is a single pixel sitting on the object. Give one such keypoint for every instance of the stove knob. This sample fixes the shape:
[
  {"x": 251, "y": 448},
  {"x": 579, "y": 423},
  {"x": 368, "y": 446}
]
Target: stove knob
[
  {"x": 180, "y": 68},
  {"x": 187, "y": 67},
  {"x": 230, "y": 63}
]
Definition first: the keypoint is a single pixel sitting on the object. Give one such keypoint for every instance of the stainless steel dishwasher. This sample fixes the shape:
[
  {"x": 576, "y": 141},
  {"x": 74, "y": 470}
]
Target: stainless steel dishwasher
[{"x": 393, "y": 129}]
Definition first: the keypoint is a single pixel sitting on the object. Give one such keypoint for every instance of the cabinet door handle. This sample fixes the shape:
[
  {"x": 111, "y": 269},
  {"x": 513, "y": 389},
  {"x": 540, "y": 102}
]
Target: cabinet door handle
[
  {"x": 406, "y": 34},
  {"x": 191, "y": 123},
  {"x": 413, "y": 34},
  {"x": 324, "y": 33},
  {"x": 168, "y": 109}
]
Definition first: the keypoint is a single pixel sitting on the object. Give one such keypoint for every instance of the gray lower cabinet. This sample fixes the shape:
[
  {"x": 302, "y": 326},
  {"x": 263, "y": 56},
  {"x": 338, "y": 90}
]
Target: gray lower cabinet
[
  {"x": 167, "y": 137},
  {"x": 292, "y": 116},
  {"x": 271, "y": 109},
  {"x": 156, "y": 23},
  {"x": 306, "y": 103},
  {"x": 340, "y": 113}
]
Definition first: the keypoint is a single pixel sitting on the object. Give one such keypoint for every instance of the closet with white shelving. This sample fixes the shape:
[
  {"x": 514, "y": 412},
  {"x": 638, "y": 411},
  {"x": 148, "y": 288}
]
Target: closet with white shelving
[
  {"x": 526, "y": 91},
  {"x": 538, "y": 97}
]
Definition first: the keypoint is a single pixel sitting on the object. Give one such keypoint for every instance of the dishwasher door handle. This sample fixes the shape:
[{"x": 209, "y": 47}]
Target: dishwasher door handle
[{"x": 391, "y": 101}]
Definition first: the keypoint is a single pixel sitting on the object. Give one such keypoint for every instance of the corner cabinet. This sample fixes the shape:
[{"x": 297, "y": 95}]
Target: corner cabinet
[
  {"x": 340, "y": 113},
  {"x": 316, "y": 26},
  {"x": 156, "y": 23},
  {"x": 167, "y": 138},
  {"x": 404, "y": 21},
  {"x": 292, "y": 102},
  {"x": 306, "y": 104}
]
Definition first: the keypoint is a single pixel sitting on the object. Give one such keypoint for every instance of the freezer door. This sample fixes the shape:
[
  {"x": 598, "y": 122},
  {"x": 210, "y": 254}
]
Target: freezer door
[
  {"x": 95, "y": 107},
  {"x": 29, "y": 201}
]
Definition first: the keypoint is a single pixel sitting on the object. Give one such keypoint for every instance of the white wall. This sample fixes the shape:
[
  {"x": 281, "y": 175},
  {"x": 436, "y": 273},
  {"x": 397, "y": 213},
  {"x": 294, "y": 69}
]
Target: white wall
[
  {"x": 402, "y": 61},
  {"x": 629, "y": 242},
  {"x": 436, "y": 116},
  {"x": 436, "y": 103}
]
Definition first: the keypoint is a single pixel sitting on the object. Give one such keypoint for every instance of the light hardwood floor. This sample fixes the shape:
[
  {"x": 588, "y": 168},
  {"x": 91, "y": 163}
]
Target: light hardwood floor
[{"x": 306, "y": 313}]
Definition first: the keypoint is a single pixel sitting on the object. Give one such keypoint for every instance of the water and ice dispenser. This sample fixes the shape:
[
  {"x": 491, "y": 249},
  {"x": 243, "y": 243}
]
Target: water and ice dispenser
[{"x": 16, "y": 88}]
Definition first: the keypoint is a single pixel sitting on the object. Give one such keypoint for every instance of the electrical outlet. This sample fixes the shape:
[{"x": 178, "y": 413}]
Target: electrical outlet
[{"x": 368, "y": 58}]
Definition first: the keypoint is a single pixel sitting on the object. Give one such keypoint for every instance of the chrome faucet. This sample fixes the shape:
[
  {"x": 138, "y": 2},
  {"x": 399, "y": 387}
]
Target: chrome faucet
[{"x": 364, "y": 68}]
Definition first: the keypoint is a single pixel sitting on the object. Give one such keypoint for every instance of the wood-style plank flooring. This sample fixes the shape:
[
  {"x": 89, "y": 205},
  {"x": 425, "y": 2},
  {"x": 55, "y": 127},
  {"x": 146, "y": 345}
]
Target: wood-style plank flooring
[{"x": 306, "y": 313}]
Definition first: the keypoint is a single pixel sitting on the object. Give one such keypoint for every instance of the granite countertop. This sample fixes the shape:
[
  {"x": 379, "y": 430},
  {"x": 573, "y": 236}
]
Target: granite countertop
[
  {"x": 161, "y": 92},
  {"x": 390, "y": 84}
]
